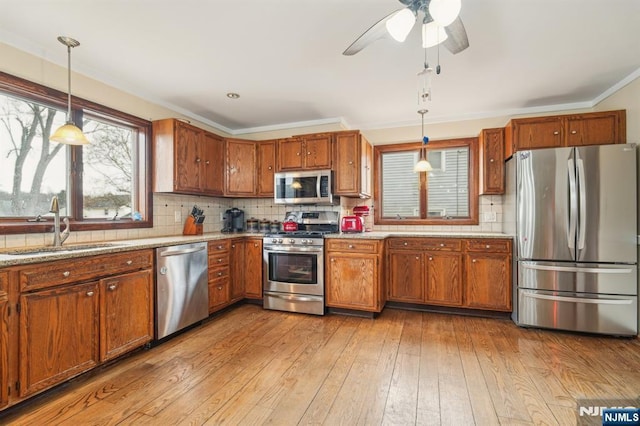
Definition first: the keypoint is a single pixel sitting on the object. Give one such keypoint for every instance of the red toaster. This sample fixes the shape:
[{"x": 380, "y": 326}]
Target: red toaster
[{"x": 352, "y": 224}]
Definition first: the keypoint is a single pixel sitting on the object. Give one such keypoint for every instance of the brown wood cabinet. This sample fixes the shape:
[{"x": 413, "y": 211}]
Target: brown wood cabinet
[
  {"x": 187, "y": 159},
  {"x": 75, "y": 314},
  {"x": 353, "y": 165},
  {"x": 425, "y": 270},
  {"x": 266, "y": 167},
  {"x": 353, "y": 275},
  {"x": 238, "y": 266},
  {"x": 4, "y": 338},
  {"x": 492, "y": 169},
  {"x": 219, "y": 274},
  {"x": 241, "y": 164},
  {"x": 305, "y": 152},
  {"x": 596, "y": 128},
  {"x": 488, "y": 274},
  {"x": 253, "y": 268}
]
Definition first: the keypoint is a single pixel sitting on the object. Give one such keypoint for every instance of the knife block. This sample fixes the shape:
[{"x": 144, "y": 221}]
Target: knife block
[{"x": 191, "y": 227}]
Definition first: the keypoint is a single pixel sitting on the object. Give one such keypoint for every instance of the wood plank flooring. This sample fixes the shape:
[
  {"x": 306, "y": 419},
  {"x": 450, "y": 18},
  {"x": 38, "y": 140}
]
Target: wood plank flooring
[{"x": 250, "y": 366}]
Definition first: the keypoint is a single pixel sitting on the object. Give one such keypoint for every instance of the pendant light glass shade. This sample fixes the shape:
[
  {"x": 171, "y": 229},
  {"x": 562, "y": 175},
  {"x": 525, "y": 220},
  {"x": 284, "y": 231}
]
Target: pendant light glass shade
[
  {"x": 69, "y": 133},
  {"x": 444, "y": 12},
  {"x": 399, "y": 25},
  {"x": 432, "y": 34}
]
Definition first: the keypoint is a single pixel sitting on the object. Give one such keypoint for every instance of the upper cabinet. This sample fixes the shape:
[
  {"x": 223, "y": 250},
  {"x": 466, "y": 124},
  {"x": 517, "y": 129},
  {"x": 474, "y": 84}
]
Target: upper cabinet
[
  {"x": 492, "y": 161},
  {"x": 597, "y": 128},
  {"x": 305, "y": 152},
  {"x": 241, "y": 164},
  {"x": 266, "y": 167},
  {"x": 187, "y": 160},
  {"x": 352, "y": 164}
]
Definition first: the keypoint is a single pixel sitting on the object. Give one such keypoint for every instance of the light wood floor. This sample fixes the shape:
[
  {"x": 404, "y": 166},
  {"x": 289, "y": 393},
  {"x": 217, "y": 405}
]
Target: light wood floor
[{"x": 251, "y": 366}]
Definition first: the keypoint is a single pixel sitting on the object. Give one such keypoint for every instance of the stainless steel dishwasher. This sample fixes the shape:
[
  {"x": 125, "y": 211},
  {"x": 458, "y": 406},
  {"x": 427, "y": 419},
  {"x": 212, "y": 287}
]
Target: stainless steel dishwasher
[{"x": 182, "y": 292}]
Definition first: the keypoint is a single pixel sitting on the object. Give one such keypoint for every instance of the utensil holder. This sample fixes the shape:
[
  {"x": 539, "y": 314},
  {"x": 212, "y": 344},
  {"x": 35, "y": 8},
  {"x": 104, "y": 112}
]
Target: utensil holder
[{"x": 191, "y": 227}]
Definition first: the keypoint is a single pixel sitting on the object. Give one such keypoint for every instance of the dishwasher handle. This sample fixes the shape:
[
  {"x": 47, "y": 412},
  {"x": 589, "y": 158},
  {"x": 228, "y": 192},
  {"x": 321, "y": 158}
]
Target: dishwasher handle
[{"x": 183, "y": 251}]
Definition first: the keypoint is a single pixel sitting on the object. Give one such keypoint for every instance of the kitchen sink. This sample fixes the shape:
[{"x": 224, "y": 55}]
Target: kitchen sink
[{"x": 50, "y": 249}]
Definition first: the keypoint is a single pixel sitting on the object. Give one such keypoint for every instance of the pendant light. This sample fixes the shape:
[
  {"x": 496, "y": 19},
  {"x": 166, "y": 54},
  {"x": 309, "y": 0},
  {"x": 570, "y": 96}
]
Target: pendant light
[
  {"x": 423, "y": 165},
  {"x": 69, "y": 133}
]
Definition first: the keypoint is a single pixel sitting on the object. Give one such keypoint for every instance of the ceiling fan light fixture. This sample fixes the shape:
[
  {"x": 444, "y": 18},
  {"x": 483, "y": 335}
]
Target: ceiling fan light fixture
[
  {"x": 444, "y": 12},
  {"x": 69, "y": 133},
  {"x": 399, "y": 25},
  {"x": 432, "y": 34}
]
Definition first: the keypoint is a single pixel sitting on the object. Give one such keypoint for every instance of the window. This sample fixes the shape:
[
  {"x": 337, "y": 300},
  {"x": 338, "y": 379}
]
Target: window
[
  {"x": 446, "y": 195},
  {"x": 104, "y": 185}
]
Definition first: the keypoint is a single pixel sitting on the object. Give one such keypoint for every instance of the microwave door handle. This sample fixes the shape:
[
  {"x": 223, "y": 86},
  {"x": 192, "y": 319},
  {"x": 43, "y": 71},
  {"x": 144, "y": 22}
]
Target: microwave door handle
[{"x": 318, "y": 181}]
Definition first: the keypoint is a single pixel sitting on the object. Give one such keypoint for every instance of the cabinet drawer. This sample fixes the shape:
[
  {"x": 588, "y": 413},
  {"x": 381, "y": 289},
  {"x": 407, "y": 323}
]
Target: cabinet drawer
[
  {"x": 51, "y": 274},
  {"x": 218, "y": 259},
  {"x": 4, "y": 282},
  {"x": 353, "y": 245},
  {"x": 440, "y": 244},
  {"x": 489, "y": 245},
  {"x": 219, "y": 273},
  {"x": 218, "y": 246},
  {"x": 218, "y": 294}
]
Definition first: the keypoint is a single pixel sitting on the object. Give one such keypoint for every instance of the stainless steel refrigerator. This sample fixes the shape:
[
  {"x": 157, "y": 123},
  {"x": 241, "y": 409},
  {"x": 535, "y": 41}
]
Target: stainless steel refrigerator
[{"x": 576, "y": 238}]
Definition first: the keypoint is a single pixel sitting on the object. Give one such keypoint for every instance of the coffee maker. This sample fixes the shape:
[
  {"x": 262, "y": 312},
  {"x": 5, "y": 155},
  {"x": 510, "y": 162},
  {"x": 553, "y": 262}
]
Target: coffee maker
[{"x": 233, "y": 220}]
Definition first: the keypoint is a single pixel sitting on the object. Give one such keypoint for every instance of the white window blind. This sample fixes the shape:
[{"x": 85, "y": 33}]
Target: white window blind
[{"x": 400, "y": 185}]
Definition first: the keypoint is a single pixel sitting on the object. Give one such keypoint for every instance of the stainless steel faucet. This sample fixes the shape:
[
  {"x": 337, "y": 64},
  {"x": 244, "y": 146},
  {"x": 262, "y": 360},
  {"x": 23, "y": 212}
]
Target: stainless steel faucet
[{"x": 58, "y": 238}]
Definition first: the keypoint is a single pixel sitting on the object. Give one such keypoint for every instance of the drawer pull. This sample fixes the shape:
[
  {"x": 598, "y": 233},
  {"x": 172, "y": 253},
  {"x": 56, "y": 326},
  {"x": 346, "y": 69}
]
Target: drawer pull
[
  {"x": 220, "y": 247},
  {"x": 66, "y": 273},
  {"x": 350, "y": 246},
  {"x": 441, "y": 244},
  {"x": 197, "y": 159},
  {"x": 573, "y": 132},
  {"x": 430, "y": 258},
  {"x": 112, "y": 287},
  {"x": 491, "y": 160},
  {"x": 270, "y": 167},
  {"x": 487, "y": 246},
  {"x": 220, "y": 287},
  {"x": 255, "y": 244},
  {"x": 219, "y": 260},
  {"x": 556, "y": 133},
  {"x": 417, "y": 257},
  {"x": 89, "y": 293},
  {"x": 406, "y": 243},
  {"x": 129, "y": 262},
  {"x": 206, "y": 162},
  {"x": 474, "y": 261},
  {"x": 220, "y": 274}
]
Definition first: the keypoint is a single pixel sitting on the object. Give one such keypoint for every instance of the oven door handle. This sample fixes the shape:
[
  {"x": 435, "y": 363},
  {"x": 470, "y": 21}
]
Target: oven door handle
[
  {"x": 296, "y": 297},
  {"x": 271, "y": 249}
]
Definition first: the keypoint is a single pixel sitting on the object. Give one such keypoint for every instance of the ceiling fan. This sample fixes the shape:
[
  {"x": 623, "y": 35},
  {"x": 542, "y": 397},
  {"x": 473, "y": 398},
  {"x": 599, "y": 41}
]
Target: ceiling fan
[{"x": 440, "y": 24}]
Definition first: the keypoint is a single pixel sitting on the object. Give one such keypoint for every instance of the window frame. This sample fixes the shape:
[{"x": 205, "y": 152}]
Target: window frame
[
  {"x": 16, "y": 86},
  {"x": 471, "y": 143}
]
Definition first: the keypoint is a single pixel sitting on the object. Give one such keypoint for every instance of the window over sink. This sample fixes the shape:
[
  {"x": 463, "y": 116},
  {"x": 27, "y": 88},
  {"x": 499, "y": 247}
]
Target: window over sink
[
  {"x": 103, "y": 185},
  {"x": 446, "y": 195}
]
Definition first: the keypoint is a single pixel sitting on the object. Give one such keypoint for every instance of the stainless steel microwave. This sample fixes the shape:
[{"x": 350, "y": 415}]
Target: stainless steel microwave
[{"x": 304, "y": 187}]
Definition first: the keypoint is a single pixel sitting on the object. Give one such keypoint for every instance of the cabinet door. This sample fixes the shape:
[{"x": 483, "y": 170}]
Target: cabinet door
[
  {"x": 126, "y": 313},
  {"x": 213, "y": 157},
  {"x": 488, "y": 283},
  {"x": 491, "y": 161},
  {"x": 347, "y": 173},
  {"x": 241, "y": 167},
  {"x": 594, "y": 129},
  {"x": 532, "y": 133},
  {"x": 266, "y": 168},
  {"x": 444, "y": 278},
  {"x": 4, "y": 354},
  {"x": 253, "y": 268},
  {"x": 58, "y": 335},
  {"x": 218, "y": 294},
  {"x": 188, "y": 158},
  {"x": 290, "y": 154},
  {"x": 366, "y": 179},
  {"x": 352, "y": 281},
  {"x": 406, "y": 277},
  {"x": 238, "y": 266},
  {"x": 317, "y": 151}
]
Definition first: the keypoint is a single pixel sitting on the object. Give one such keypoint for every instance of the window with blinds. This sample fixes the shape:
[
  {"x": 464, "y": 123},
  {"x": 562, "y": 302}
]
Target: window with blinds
[{"x": 401, "y": 186}]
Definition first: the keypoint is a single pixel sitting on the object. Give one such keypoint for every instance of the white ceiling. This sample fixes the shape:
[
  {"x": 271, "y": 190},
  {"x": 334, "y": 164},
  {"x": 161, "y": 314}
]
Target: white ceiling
[{"x": 284, "y": 57}]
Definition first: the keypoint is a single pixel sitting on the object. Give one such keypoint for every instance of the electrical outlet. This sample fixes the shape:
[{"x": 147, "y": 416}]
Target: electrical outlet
[
  {"x": 177, "y": 216},
  {"x": 490, "y": 217}
]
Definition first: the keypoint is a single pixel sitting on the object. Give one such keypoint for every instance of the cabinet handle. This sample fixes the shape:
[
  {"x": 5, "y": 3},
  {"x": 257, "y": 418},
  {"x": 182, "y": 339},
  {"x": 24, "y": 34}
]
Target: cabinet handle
[
  {"x": 298, "y": 154},
  {"x": 406, "y": 243},
  {"x": 112, "y": 287},
  {"x": 441, "y": 244},
  {"x": 66, "y": 273},
  {"x": 219, "y": 274},
  {"x": 333, "y": 260},
  {"x": 220, "y": 247},
  {"x": 233, "y": 246},
  {"x": 270, "y": 168},
  {"x": 197, "y": 159},
  {"x": 573, "y": 132},
  {"x": 556, "y": 132},
  {"x": 350, "y": 246},
  {"x": 308, "y": 152},
  {"x": 255, "y": 244},
  {"x": 473, "y": 260},
  {"x": 89, "y": 293},
  {"x": 350, "y": 163},
  {"x": 206, "y": 162},
  {"x": 430, "y": 258},
  {"x": 219, "y": 287},
  {"x": 491, "y": 160},
  {"x": 487, "y": 246},
  {"x": 129, "y": 262},
  {"x": 219, "y": 260},
  {"x": 417, "y": 257}
]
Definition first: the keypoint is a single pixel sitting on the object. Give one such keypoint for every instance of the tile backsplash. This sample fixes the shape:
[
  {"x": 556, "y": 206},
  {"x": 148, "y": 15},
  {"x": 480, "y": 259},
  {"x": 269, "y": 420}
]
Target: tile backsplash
[{"x": 170, "y": 211}]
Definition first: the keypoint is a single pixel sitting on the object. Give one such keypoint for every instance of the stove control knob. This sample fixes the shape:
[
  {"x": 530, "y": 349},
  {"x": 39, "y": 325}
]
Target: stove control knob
[
  {"x": 292, "y": 240},
  {"x": 279, "y": 240},
  {"x": 274, "y": 240},
  {"x": 305, "y": 241}
]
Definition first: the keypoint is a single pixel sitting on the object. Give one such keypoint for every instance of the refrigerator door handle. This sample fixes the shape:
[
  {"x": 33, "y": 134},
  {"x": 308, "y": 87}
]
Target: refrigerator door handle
[
  {"x": 580, "y": 299},
  {"x": 577, "y": 269},
  {"x": 573, "y": 205},
  {"x": 582, "y": 229}
]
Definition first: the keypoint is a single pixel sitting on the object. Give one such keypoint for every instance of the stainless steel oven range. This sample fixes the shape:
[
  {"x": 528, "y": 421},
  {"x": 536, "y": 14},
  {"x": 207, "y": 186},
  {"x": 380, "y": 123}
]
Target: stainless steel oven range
[{"x": 294, "y": 263}]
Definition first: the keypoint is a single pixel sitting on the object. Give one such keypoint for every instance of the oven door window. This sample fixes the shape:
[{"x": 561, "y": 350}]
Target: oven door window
[{"x": 296, "y": 268}]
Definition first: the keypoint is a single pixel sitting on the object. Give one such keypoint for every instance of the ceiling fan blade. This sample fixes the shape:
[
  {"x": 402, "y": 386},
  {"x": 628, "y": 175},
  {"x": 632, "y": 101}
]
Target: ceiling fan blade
[
  {"x": 377, "y": 31},
  {"x": 457, "y": 39}
]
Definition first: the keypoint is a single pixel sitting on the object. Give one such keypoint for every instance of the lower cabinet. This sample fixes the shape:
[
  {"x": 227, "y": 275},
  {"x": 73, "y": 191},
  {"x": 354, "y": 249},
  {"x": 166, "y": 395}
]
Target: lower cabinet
[
  {"x": 353, "y": 278},
  {"x": 238, "y": 273},
  {"x": 474, "y": 273},
  {"x": 72, "y": 319},
  {"x": 4, "y": 339},
  {"x": 253, "y": 268},
  {"x": 219, "y": 274}
]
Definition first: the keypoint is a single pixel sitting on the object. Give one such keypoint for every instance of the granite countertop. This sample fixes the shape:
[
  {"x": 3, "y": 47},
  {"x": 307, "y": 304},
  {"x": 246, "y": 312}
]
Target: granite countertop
[{"x": 119, "y": 246}]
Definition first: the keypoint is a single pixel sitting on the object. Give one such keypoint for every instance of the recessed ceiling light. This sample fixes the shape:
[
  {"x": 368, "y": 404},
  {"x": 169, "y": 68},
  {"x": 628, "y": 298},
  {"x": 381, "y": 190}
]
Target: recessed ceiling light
[{"x": 232, "y": 95}]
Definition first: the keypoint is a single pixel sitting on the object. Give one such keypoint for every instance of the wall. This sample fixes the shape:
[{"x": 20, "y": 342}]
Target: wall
[{"x": 23, "y": 65}]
